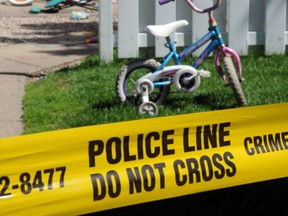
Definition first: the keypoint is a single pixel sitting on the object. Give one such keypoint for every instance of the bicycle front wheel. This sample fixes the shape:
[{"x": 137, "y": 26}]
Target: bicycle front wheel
[
  {"x": 128, "y": 76},
  {"x": 234, "y": 82}
]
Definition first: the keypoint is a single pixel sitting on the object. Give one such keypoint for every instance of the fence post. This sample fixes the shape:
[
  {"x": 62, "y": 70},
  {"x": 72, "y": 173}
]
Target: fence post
[
  {"x": 105, "y": 32},
  {"x": 200, "y": 22},
  {"x": 163, "y": 14},
  {"x": 128, "y": 28},
  {"x": 275, "y": 25},
  {"x": 238, "y": 25}
]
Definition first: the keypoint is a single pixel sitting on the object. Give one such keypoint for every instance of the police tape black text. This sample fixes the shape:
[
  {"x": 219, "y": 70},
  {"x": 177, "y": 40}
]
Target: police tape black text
[
  {"x": 40, "y": 180},
  {"x": 148, "y": 177},
  {"x": 155, "y": 144},
  {"x": 153, "y": 177},
  {"x": 266, "y": 143}
]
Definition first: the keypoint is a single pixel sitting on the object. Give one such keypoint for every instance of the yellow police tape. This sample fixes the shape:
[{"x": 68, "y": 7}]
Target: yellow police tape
[{"x": 90, "y": 169}]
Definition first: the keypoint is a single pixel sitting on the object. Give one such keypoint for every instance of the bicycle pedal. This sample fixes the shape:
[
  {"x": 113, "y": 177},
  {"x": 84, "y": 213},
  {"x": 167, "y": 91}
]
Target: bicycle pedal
[{"x": 204, "y": 73}]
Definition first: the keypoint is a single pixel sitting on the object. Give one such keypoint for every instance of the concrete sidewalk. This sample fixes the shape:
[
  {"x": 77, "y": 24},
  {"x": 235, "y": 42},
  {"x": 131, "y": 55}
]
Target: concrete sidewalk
[{"x": 20, "y": 62}]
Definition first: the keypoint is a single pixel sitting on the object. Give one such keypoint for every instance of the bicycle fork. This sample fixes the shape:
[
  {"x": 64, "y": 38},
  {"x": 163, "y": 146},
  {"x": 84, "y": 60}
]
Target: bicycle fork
[{"x": 226, "y": 51}]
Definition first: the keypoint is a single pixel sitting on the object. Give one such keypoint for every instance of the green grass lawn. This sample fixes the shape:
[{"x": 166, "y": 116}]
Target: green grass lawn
[{"x": 85, "y": 95}]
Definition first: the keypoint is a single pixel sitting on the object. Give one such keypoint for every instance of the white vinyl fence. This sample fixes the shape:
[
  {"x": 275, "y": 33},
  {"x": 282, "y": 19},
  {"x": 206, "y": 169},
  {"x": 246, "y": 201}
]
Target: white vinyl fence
[{"x": 243, "y": 23}]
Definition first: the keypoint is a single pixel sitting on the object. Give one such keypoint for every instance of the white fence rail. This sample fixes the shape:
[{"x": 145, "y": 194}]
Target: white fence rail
[{"x": 243, "y": 23}]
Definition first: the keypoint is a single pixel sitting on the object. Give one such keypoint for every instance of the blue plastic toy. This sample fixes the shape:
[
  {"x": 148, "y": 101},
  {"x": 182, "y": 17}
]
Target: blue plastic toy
[{"x": 56, "y": 5}]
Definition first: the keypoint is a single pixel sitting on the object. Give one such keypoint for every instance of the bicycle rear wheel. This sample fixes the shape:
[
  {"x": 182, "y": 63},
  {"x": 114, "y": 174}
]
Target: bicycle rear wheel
[
  {"x": 234, "y": 82},
  {"x": 128, "y": 76}
]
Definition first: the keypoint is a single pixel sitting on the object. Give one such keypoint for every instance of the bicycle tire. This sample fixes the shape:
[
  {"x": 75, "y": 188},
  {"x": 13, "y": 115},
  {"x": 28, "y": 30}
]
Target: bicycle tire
[
  {"x": 130, "y": 73},
  {"x": 234, "y": 82}
]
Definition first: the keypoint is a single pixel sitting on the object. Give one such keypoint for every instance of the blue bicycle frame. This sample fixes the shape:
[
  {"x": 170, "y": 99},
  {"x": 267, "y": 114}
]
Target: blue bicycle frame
[
  {"x": 217, "y": 43},
  {"x": 214, "y": 35}
]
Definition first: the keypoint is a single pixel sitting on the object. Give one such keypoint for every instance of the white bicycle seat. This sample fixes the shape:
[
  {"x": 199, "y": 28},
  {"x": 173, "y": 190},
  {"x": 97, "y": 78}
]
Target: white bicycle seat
[{"x": 167, "y": 29}]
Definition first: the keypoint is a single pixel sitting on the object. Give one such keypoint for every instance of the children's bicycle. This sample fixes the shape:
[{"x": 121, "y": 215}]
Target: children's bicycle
[{"x": 145, "y": 82}]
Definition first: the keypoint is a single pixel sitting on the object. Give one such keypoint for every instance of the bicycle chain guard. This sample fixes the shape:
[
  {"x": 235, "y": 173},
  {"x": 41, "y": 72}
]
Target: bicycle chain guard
[
  {"x": 185, "y": 78},
  {"x": 188, "y": 79}
]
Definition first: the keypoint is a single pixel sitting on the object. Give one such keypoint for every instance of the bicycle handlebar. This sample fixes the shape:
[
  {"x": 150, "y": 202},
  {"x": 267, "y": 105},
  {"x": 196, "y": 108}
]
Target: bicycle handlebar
[
  {"x": 194, "y": 7},
  {"x": 161, "y": 2},
  {"x": 206, "y": 10}
]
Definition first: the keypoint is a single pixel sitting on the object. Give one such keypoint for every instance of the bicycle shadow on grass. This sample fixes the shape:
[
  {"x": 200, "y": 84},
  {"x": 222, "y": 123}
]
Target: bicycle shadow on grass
[
  {"x": 105, "y": 105},
  {"x": 206, "y": 101},
  {"x": 111, "y": 110}
]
